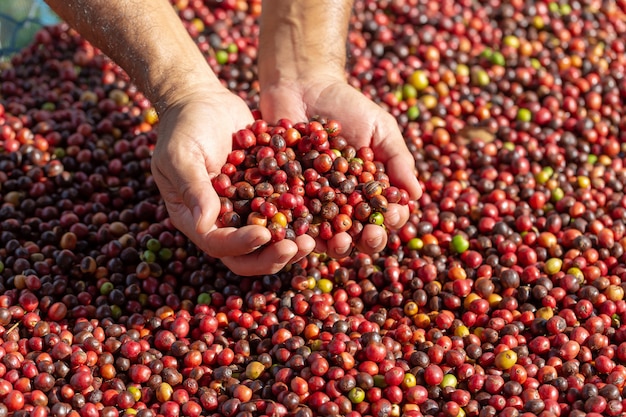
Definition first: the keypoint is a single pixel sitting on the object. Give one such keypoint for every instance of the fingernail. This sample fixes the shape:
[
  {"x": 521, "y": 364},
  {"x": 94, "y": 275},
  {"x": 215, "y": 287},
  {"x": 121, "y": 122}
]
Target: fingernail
[
  {"x": 392, "y": 217},
  {"x": 343, "y": 250},
  {"x": 374, "y": 242}
]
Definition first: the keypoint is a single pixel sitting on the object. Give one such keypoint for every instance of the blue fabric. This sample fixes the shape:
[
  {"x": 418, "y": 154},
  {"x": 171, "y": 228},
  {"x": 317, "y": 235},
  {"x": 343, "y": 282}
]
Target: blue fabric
[{"x": 19, "y": 21}]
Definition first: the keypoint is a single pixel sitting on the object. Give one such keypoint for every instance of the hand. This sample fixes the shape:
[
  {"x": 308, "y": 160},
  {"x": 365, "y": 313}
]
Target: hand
[
  {"x": 195, "y": 138},
  {"x": 364, "y": 123}
]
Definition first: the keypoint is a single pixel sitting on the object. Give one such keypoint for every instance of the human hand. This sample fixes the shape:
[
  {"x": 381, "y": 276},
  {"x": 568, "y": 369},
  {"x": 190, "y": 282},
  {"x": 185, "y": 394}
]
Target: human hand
[
  {"x": 195, "y": 137},
  {"x": 364, "y": 123}
]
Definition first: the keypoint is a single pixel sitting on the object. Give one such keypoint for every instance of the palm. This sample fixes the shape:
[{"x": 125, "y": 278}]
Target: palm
[
  {"x": 194, "y": 141},
  {"x": 364, "y": 124}
]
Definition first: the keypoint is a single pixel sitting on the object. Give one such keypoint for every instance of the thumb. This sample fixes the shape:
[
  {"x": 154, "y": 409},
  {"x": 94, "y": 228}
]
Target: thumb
[
  {"x": 203, "y": 202},
  {"x": 189, "y": 196},
  {"x": 399, "y": 163},
  {"x": 402, "y": 174}
]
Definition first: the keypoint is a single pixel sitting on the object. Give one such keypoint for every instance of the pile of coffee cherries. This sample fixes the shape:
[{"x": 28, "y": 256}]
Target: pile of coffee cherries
[
  {"x": 503, "y": 295},
  {"x": 303, "y": 178}
]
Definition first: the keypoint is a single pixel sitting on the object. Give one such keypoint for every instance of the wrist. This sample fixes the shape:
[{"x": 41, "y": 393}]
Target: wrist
[
  {"x": 301, "y": 41},
  {"x": 172, "y": 88},
  {"x": 298, "y": 77}
]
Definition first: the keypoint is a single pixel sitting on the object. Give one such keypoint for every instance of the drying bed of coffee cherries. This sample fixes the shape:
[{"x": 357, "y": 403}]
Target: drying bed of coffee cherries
[{"x": 502, "y": 296}]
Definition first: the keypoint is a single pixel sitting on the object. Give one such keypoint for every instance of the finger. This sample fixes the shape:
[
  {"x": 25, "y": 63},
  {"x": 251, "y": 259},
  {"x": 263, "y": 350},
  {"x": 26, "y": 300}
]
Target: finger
[
  {"x": 190, "y": 195},
  {"x": 201, "y": 198},
  {"x": 232, "y": 242},
  {"x": 267, "y": 260},
  {"x": 183, "y": 219},
  {"x": 321, "y": 246},
  {"x": 306, "y": 245},
  {"x": 399, "y": 163},
  {"x": 396, "y": 216},
  {"x": 373, "y": 239},
  {"x": 339, "y": 246},
  {"x": 402, "y": 173}
]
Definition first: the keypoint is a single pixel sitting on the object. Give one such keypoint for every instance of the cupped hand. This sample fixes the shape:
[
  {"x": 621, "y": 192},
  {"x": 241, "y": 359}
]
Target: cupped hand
[
  {"x": 364, "y": 123},
  {"x": 195, "y": 138}
]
